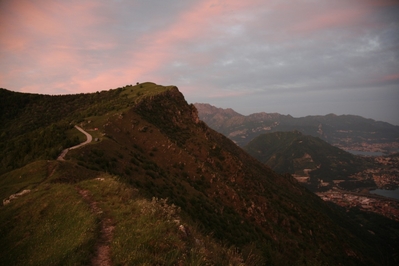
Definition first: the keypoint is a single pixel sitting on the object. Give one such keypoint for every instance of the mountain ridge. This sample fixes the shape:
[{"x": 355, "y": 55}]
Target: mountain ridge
[
  {"x": 348, "y": 132},
  {"x": 152, "y": 141}
]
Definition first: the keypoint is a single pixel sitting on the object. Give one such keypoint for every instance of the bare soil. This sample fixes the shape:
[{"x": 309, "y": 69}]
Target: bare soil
[{"x": 102, "y": 256}]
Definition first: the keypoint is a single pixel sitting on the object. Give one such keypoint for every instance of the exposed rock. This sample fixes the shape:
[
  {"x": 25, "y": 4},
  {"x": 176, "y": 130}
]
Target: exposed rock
[{"x": 15, "y": 196}]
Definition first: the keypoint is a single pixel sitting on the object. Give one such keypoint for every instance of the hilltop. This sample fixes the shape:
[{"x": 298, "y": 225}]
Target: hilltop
[
  {"x": 223, "y": 206},
  {"x": 348, "y": 132},
  {"x": 320, "y": 164}
]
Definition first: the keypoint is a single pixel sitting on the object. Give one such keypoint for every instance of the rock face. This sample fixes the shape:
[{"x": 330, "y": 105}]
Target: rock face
[
  {"x": 348, "y": 132},
  {"x": 15, "y": 196}
]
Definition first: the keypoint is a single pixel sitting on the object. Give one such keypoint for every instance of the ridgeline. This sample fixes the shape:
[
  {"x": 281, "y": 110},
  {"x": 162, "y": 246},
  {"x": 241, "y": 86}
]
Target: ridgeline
[{"x": 174, "y": 191}]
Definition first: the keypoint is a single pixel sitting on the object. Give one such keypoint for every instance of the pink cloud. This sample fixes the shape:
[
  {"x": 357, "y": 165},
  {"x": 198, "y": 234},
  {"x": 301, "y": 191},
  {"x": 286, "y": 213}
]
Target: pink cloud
[
  {"x": 25, "y": 23},
  {"x": 45, "y": 41},
  {"x": 62, "y": 46},
  {"x": 392, "y": 77},
  {"x": 54, "y": 41},
  {"x": 331, "y": 19},
  {"x": 190, "y": 26}
]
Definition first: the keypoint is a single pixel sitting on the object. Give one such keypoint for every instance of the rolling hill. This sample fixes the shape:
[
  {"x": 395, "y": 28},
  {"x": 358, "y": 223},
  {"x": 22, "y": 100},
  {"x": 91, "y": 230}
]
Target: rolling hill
[
  {"x": 311, "y": 158},
  {"x": 157, "y": 186}
]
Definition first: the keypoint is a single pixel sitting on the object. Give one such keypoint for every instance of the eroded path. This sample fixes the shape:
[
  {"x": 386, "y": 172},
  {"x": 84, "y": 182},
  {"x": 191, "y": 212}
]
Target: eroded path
[
  {"x": 102, "y": 256},
  {"x": 89, "y": 138}
]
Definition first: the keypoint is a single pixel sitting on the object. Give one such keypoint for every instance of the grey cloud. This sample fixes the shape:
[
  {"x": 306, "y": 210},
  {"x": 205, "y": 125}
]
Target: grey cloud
[{"x": 295, "y": 58}]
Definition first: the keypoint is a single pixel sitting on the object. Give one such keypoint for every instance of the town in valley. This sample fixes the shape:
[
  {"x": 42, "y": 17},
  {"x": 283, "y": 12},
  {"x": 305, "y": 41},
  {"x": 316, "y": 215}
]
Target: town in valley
[{"x": 385, "y": 175}]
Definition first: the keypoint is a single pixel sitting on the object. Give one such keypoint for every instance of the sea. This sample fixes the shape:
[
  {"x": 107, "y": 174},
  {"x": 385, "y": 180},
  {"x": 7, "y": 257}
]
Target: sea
[{"x": 387, "y": 193}]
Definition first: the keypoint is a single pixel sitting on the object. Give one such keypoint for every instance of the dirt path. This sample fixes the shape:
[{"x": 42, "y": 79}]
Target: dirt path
[
  {"x": 102, "y": 256},
  {"x": 88, "y": 140}
]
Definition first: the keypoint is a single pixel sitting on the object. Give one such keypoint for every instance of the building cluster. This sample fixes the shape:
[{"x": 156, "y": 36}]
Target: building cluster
[
  {"x": 385, "y": 173},
  {"x": 384, "y": 206},
  {"x": 388, "y": 176},
  {"x": 390, "y": 147}
]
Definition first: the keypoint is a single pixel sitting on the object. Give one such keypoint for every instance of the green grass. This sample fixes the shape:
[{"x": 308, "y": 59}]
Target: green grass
[
  {"x": 145, "y": 89},
  {"x": 23, "y": 178},
  {"x": 49, "y": 226},
  {"x": 54, "y": 225},
  {"x": 147, "y": 232},
  {"x": 75, "y": 135},
  {"x": 39, "y": 126}
]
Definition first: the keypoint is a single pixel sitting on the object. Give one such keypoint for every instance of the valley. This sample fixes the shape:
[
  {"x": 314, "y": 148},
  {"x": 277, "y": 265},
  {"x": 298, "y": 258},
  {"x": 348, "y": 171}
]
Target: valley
[
  {"x": 363, "y": 201},
  {"x": 381, "y": 172},
  {"x": 319, "y": 161},
  {"x": 385, "y": 171},
  {"x": 385, "y": 175}
]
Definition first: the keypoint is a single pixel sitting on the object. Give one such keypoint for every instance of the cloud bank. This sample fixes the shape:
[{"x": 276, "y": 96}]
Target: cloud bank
[{"x": 302, "y": 58}]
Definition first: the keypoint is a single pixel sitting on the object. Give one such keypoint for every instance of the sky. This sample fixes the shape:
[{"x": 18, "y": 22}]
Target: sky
[{"x": 303, "y": 57}]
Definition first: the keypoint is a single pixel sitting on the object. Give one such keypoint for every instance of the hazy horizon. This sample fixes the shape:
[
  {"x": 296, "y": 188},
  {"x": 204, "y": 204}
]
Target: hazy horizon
[{"x": 301, "y": 58}]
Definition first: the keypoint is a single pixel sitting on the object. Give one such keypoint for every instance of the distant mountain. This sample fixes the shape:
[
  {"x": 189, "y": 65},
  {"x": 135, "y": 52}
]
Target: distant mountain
[
  {"x": 311, "y": 159},
  {"x": 348, "y": 132},
  {"x": 157, "y": 186}
]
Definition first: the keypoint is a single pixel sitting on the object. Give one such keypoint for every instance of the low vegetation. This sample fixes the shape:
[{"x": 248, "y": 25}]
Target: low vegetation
[
  {"x": 167, "y": 189},
  {"x": 54, "y": 225},
  {"x": 303, "y": 155},
  {"x": 51, "y": 225},
  {"x": 36, "y": 126}
]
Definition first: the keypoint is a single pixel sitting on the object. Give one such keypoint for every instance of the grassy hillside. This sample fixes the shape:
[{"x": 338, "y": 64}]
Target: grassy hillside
[
  {"x": 38, "y": 126},
  {"x": 54, "y": 225},
  {"x": 150, "y": 147}
]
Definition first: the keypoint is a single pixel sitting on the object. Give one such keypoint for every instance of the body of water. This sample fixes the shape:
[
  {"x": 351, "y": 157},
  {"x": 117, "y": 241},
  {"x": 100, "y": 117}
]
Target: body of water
[
  {"x": 387, "y": 193},
  {"x": 366, "y": 153}
]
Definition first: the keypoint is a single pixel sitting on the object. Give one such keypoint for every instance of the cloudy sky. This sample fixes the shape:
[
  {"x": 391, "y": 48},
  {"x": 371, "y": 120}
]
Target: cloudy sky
[{"x": 302, "y": 57}]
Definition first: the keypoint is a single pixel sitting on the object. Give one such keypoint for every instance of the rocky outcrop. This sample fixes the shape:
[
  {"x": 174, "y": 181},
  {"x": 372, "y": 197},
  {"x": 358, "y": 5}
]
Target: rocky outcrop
[{"x": 15, "y": 196}]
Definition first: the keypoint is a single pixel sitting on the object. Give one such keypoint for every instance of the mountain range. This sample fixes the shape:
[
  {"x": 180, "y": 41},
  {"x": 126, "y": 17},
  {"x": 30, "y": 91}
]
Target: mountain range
[
  {"x": 157, "y": 186},
  {"x": 348, "y": 132}
]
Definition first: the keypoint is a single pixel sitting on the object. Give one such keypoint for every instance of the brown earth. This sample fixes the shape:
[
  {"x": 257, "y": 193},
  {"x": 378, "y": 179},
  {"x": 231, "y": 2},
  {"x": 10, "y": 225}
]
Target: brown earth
[{"x": 102, "y": 256}]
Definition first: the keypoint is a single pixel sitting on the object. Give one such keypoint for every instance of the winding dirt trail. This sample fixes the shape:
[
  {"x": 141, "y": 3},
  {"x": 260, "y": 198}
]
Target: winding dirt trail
[
  {"x": 102, "y": 256},
  {"x": 65, "y": 151}
]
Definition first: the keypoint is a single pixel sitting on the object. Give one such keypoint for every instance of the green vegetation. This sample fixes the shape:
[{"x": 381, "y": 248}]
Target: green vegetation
[
  {"x": 24, "y": 178},
  {"x": 295, "y": 153},
  {"x": 38, "y": 126},
  {"x": 152, "y": 232},
  {"x": 51, "y": 225},
  {"x": 152, "y": 147},
  {"x": 54, "y": 225}
]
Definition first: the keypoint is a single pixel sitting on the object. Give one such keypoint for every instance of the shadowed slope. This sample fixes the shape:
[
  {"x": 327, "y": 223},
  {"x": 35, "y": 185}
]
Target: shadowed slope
[{"x": 152, "y": 141}]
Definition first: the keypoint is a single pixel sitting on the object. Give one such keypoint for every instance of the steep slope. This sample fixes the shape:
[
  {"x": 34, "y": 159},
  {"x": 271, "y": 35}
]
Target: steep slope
[
  {"x": 154, "y": 142},
  {"x": 307, "y": 156},
  {"x": 348, "y": 132}
]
